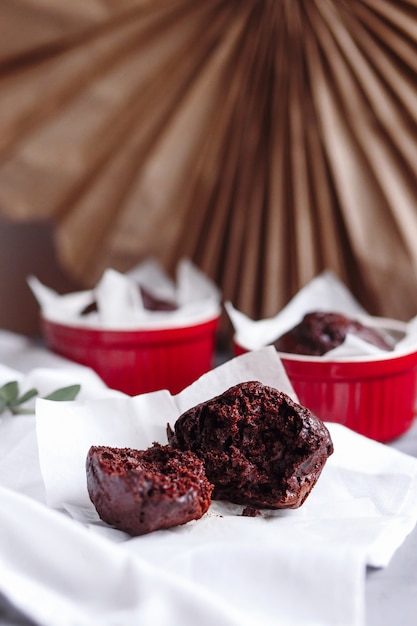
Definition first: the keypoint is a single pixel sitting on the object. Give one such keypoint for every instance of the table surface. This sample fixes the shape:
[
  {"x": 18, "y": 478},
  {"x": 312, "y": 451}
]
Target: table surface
[{"x": 390, "y": 592}]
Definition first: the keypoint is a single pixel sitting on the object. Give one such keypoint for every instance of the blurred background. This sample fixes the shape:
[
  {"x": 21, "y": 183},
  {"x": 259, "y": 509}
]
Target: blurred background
[{"x": 266, "y": 140}]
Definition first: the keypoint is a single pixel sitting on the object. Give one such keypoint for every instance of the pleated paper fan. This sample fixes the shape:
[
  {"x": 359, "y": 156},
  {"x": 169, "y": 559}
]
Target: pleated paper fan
[{"x": 266, "y": 140}]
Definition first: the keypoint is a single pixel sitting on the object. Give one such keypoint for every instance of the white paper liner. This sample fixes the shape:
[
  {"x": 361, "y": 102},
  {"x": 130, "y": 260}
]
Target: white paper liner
[
  {"x": 324, "y": 293},
  {"x": 120, "y": 305}
]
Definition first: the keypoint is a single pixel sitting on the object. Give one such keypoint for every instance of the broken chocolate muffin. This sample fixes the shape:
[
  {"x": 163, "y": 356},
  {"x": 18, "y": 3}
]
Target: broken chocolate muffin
[
  {"x": 139, "y": 491},
  {"x": 259, "y": 447},
  {"x": 321, "y": 331}
]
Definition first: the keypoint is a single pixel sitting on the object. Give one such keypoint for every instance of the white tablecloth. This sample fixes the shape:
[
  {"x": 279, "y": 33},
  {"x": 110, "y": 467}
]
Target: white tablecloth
[{"x": 154, "y": 580}]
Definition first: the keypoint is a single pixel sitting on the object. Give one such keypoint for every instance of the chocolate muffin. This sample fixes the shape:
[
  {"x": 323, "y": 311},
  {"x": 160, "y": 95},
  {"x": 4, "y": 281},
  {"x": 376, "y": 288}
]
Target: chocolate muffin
[
  {"x": 150, "y": 303},
  {"x": 139, "y": 491},
  {"x": 321, "y": 331},
  {"x": 259, "y": 447}
]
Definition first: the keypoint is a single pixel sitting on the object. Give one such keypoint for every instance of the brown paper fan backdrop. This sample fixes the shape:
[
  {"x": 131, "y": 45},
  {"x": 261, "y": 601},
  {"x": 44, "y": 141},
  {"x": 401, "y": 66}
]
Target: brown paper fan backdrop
[{"x": 266, "y": 140}]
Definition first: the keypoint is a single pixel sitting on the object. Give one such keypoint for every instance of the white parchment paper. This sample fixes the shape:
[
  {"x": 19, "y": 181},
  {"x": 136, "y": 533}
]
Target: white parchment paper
[
  {"x": 119, "y": 301},
  {"x": 324, "y": 293}
]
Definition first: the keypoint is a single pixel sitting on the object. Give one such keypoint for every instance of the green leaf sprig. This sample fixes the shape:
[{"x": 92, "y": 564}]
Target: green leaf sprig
[{"x": 10, "y": 398}]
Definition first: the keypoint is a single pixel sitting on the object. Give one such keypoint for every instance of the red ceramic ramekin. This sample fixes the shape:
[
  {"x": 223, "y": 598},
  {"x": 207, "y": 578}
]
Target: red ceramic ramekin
[
  {"x": 138, "y": 361},
  {"x": 374, "y": 396}
]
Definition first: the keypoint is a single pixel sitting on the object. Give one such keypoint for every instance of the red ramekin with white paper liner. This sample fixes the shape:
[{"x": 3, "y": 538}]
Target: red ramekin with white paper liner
[
  {"x": 132, "y": 349},
  {"x": 373, "y": 395}
]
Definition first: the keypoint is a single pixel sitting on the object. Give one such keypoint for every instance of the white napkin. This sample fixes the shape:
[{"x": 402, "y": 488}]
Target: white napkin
[
  {"x": 324, "y": 293},
  {"x": 239, "y": 570},
  {"x": 120, "y": 305},
  {"x": 60, "y": 574},
  {"x": 223, "y": 569}
]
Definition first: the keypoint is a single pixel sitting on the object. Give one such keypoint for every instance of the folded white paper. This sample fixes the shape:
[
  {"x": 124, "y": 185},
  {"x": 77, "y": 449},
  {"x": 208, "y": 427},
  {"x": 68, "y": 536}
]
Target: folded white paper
[
  {"x": 324, "y": 293},
  {"x": 120, "y": 304}
]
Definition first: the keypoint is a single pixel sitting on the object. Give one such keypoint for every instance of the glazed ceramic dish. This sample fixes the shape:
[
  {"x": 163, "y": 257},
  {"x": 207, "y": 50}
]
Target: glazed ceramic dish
[
  {"x": 373, "y": 395},
  {"x": 139, "y": 360}
]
